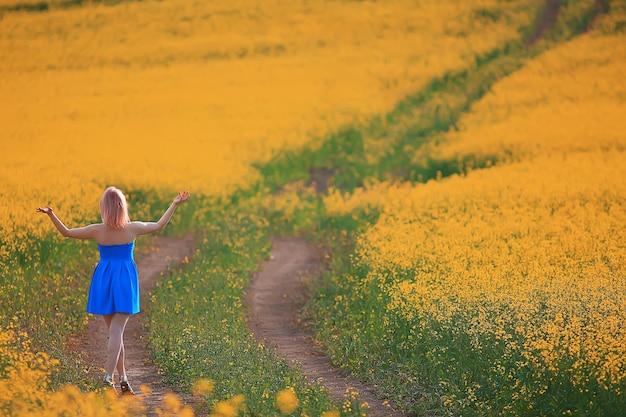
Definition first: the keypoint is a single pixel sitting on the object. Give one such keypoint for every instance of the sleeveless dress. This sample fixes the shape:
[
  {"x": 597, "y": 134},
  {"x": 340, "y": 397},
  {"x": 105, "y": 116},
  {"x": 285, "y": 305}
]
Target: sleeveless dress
[{"x": 115, "y": 283}]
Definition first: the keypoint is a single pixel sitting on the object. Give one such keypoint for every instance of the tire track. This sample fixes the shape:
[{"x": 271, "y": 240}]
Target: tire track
[{"x": 274, "y": 298}]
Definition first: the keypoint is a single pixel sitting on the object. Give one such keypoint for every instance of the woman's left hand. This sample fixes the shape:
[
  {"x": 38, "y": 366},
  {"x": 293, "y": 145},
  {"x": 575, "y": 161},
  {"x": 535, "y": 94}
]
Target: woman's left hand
[
  {"x": 182, "y": 196},
  {"x": 46, "y": 210}
]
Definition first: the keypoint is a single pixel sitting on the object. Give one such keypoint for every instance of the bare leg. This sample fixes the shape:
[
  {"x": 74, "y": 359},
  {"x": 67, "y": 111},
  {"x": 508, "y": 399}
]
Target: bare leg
[
  {"x": 121, "y": 369},
  {"x": 116, "y": 323}
]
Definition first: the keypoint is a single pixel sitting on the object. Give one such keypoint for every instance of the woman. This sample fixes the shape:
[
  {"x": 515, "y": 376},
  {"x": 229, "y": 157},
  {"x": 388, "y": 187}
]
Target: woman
[{"x": 114, "y": 291}]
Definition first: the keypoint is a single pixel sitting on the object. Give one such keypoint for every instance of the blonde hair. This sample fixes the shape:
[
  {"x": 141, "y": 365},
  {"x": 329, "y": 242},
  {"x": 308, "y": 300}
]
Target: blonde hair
[{"x": 113, "y": 208}]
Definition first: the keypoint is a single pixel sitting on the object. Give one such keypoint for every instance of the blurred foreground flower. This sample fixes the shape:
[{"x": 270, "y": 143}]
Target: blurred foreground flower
[
  {"x": 203, "y": 387},
  {"x": 228, "y": 408},
  {"x": 173, "y": 406},
  {"x": 287, "y": 401}
]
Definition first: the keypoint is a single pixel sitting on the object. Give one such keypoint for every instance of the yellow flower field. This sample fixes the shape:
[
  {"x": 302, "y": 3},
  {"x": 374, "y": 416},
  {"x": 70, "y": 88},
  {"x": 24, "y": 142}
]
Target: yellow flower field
[
  {"x": 525, "y": 257},
  {"x": 181, "y": 94},
  {"x": 576, "y": 103}
]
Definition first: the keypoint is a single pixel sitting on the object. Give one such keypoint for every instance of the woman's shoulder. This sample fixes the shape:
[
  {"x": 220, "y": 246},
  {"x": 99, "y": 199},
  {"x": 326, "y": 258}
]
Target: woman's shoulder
[{"x": 97, "y": 227}]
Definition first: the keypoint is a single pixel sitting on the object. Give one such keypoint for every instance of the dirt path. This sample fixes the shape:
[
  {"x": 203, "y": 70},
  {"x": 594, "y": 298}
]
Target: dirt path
[
  {"x": 165, "y": 251},
  {"x": 548, "y": 20},
  {"x": 274, "y": 298}
]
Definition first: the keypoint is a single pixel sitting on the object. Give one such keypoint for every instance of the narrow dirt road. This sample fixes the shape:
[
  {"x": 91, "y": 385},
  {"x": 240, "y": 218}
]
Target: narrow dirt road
[
  {"x": 275, "y": 296},
  {"x": 165, "y": 252}
]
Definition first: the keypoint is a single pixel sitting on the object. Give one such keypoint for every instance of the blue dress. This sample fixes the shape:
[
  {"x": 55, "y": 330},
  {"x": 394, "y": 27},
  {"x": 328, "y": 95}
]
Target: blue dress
[{"x": 115, "y": 283}]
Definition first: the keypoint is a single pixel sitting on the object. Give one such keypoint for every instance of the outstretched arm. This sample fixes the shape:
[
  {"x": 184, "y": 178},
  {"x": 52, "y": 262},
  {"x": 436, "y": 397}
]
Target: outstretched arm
[
  {"x": 87, "y": 232},
  {"x": 142, "y": 228}
]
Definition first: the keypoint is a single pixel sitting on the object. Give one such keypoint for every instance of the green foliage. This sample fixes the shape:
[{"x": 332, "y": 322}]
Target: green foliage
[{"x": 44, "y": 291}]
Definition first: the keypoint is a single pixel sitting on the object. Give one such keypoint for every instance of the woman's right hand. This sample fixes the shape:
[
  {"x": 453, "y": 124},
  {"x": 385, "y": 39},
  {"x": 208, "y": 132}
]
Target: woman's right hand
[{"x": 46, "y": 210}]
